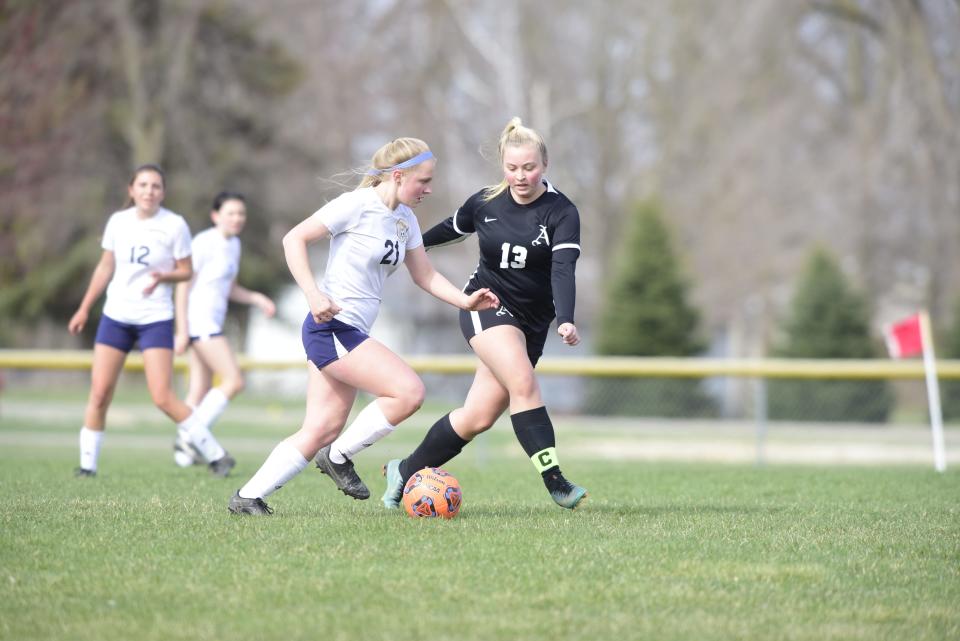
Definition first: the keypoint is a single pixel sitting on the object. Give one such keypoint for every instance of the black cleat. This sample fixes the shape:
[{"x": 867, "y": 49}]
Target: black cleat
[
  {"x": 240, "y": 505},
  {"x": 84, "y": 473},
  {"x": 222, "y": 466},
  {"x": 342, "y": 474}
]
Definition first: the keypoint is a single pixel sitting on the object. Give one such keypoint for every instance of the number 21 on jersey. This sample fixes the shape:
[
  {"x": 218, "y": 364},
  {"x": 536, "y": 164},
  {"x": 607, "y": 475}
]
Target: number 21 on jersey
[
  {"x": 519, "y": 256},
  {"x": 392, "y": 257}
]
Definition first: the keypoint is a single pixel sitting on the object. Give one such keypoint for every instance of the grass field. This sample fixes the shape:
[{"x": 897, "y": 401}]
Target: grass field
[{"x": 661, "y": 551}]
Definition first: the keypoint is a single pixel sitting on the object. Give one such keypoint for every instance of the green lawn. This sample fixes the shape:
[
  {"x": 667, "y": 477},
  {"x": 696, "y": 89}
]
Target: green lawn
[{"x": 661, "y": 551}]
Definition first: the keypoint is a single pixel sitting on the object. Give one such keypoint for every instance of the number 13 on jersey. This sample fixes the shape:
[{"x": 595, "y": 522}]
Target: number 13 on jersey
[{"x": 519, "y": 256}]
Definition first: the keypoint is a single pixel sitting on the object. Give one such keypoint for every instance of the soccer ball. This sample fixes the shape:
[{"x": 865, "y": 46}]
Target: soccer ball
[
  {"x": 185, "y": 453},
  {"x": 432, "y": 492},
  {"x": 182, "y": 459}
]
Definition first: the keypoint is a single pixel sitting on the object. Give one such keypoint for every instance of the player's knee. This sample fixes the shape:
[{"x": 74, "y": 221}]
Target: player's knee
[
  {"x": 525, "y": 387},
  {"x": 165, "y": 400},
  {"x": 100, "y": 398},
  {"x": 410, "y": 395},
  {"x": 233, "y": 385}
]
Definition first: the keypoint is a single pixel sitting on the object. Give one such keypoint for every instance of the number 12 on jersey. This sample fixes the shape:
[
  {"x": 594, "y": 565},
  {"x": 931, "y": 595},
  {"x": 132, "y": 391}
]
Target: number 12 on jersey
[
  {"x": 139, "y": 255},
  {"x": 519, "y": 256}
]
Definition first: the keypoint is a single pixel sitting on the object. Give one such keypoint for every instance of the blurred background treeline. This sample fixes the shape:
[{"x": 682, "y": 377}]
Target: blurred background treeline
[{"x": 731, "y": 149}]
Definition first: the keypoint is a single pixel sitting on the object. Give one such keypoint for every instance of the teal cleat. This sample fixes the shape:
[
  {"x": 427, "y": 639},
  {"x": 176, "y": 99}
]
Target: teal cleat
[
  {"x": 564, "y": 493},
  {"x": 391, "y": 498}
]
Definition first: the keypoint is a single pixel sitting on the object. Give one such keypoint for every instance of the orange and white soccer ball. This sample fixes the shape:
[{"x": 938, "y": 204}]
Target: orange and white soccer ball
[{"x": 432, "y": 492}]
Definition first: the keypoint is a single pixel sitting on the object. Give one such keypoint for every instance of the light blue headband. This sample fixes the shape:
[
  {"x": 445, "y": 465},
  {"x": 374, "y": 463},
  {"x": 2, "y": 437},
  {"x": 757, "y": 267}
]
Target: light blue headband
[{"x": 406, "y": 164}]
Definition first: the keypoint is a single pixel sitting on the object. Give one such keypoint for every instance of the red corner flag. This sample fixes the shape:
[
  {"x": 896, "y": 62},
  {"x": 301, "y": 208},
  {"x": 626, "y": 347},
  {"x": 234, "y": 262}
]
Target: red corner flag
[
  {"x": 905, "y": 339},
  {"x": 913, "y": 336}
]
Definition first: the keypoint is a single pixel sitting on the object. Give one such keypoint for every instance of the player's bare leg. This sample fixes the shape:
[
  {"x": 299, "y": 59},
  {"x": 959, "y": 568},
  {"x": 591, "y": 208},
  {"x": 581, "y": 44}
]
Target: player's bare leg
[
  {"x": 503, "y": 350},
  {"x": 399, "y": 392},
  {"x": 107, "y": 364}
]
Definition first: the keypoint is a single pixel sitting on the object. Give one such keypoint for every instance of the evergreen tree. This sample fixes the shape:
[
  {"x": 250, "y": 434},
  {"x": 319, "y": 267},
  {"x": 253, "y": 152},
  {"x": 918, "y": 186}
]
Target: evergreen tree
[
  {"x": 950, "y": 389},
  {"x": 646, "y": 313},
  {"x": 828, "y": 319}
]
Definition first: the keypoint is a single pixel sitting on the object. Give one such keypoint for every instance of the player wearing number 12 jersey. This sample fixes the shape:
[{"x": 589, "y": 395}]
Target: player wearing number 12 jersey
[
  {"x": 146, "y": 250},
  {"x": 529, "y": 238}
]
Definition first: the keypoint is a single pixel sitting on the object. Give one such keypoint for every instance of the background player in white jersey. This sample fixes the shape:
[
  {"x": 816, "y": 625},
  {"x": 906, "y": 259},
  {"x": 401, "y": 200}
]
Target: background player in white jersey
[
  {"x": 529, "y": 238},
  {"x": 201, "y": 310},
  {"x": 145, "y": 249},
  {"x": 372, "y": 229}
]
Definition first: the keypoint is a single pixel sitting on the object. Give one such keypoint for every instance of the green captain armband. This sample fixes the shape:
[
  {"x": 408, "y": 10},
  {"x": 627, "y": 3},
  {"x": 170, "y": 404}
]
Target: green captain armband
[{"x": 545, "y": 459}]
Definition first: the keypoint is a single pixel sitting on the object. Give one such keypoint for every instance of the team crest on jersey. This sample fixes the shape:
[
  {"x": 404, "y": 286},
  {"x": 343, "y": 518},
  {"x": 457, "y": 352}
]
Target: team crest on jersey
[
  {"x": 403, "y": 231},
  {"x": 543, "y": 236}
]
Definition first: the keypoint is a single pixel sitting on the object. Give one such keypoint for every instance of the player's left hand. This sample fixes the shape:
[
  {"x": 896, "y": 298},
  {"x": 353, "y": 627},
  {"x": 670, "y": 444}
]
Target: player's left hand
[
  {"x": 266, "y": 305},
  {"x": 481, "y": 299},
  {"x": 77, "y": 322},
  {"x": 568, "y": 332},
  {"x": 180, "y": 343},
  {"x": 155, "y": 276}
]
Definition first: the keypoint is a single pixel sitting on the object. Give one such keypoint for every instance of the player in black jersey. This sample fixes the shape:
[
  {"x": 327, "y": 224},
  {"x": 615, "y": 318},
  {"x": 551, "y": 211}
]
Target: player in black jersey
[{"x": 529, "y": 237}]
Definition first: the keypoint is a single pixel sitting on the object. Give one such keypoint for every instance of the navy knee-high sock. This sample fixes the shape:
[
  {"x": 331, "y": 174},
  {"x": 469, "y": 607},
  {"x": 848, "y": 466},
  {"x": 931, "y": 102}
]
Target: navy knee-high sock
[{"x": 439, "y": 445}]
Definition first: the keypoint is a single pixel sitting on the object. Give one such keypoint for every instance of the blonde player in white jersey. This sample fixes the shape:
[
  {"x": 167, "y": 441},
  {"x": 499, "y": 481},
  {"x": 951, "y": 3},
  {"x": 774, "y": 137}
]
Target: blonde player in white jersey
[
  {"x": 372, "y": 230},
  {"x": 146, "y": 249},
  {"x": 202, "y": 301}
]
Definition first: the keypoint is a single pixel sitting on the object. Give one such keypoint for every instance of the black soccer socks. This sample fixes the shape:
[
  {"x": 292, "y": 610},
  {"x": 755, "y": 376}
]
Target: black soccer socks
[
  {"x": 438, "y": 446},
  {"x": 535, "y": 433}
]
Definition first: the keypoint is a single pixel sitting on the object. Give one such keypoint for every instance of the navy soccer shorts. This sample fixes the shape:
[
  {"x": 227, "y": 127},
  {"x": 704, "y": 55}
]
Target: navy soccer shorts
[
  {"x": 123, "y": 336},
  {"x": 326, "y": 342}
]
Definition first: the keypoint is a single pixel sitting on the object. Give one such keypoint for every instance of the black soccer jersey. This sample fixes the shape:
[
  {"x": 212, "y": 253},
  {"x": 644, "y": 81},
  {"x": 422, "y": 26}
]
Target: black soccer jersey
[{"x": 528, "y": 253}]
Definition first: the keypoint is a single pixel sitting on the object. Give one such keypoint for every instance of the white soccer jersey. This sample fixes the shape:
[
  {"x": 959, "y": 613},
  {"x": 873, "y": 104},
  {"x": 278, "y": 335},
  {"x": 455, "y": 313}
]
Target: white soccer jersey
[
  {"x": 141, "y": 247},
  {"x": 216, "y": 262},
  {"x": 368, "y": 242}
]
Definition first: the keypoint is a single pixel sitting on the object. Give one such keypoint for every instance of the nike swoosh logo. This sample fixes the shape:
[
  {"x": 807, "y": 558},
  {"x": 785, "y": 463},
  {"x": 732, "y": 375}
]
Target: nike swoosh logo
[{"x": 488, "y": 220}]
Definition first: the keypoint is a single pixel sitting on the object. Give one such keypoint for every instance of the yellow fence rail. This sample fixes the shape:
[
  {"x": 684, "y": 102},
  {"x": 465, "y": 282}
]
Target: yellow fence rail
[{"x": 609, "y": 366}]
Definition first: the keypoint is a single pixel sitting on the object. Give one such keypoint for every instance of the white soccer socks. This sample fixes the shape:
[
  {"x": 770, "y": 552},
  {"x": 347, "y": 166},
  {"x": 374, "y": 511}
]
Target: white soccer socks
[
  {"x": 369, "y": 427},
  {"x": 211, "y": 407},
  {"x": 284, "y": 462},
  {"x": 90, "y": 442},
  {"x": 199, "y": 434}
]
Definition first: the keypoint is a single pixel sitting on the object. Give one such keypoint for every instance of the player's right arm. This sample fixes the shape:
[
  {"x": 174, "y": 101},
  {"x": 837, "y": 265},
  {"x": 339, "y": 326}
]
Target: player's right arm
[
  {"x": 98, "y": 282},
  {"x": 454, "y": 229},
  {"x": 295, "y": 244}
]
